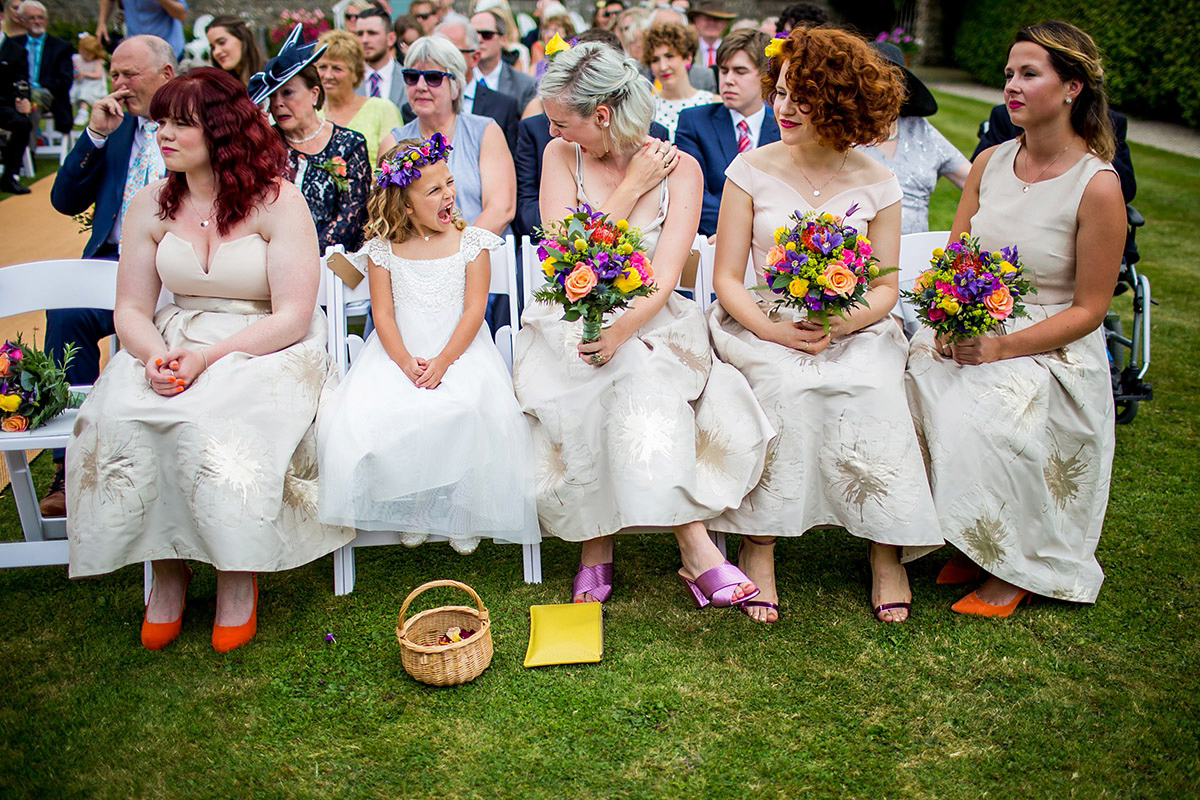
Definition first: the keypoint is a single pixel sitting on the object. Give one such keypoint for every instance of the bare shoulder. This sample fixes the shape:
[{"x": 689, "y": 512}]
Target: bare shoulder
[
  {"x": 687, "y": 171},
  {"x": 1103, "y": 193},
  {"x": 768, "y": 157},
  {"x": 558, "y": 150}
]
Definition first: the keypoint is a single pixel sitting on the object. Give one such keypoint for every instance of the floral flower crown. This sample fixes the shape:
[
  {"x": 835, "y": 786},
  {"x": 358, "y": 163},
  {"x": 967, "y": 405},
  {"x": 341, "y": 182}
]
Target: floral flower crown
[
  {"x": 775, "y": 46},
  {"x": 405, "y": 167}
]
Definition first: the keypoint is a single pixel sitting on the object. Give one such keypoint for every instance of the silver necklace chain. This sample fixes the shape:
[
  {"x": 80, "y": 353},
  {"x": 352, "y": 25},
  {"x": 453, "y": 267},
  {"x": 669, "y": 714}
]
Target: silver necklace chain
[
  {"x": 204, "y": 221},
  {"x": 1038, "y": 177},
  {"x": 817, "y": 189}
]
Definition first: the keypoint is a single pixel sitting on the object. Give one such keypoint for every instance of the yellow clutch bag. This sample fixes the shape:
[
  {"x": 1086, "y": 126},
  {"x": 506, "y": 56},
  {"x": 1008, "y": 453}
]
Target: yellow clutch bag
[{"x": 567, "y": 633}]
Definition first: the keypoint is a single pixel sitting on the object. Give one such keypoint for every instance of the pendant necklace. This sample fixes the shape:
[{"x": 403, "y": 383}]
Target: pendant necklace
[
  {"x": 817, "y": 189},
  {"x": 310, "y": 137},
  {"x": 1025, "y": 188},
  {"x": 204, "y": 221}
]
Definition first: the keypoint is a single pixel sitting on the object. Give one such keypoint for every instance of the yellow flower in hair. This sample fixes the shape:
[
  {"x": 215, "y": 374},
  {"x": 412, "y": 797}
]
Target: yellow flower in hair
[
  {"x": 556, "y": 45},
  {"x": 774, "y": 48}
]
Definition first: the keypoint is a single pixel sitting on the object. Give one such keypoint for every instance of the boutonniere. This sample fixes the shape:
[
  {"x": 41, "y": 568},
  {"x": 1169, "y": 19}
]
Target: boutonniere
[{"x": 336, "y": 167}]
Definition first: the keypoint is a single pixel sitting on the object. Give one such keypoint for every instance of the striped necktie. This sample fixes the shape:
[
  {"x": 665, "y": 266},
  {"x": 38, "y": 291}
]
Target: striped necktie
[
  {"x": 744, "y": 142},
  {"x": 375, "y": 80}
]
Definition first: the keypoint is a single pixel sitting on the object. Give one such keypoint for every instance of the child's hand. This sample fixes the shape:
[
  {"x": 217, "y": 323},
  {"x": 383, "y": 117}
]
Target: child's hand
[
  {"x": 413, "y": 367},
  {"x": 435, "y": 368}
]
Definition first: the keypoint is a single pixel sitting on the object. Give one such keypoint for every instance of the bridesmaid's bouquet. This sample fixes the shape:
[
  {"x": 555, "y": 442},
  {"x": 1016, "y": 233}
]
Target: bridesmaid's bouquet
[
  {"x": 821, "y": 265},
  {"x": 33, "y": 388},
  {"x": 593, "y": 266},
  {"x": 968, "y": 291}
]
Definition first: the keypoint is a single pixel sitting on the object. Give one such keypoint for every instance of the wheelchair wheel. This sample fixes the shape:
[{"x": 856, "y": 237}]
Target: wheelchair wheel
[{"x": 1126, "y": 411}]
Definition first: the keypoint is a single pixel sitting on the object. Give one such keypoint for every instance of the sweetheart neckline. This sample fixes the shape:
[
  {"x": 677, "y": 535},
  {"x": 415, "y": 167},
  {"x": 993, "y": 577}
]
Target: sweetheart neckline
[{"x": 207, "y": 270}]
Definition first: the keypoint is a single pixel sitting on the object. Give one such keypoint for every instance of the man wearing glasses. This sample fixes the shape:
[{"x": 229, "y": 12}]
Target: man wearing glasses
[
  {"x": 425, "y": 15},
  {"x": 607, "y": 12},
  {"x": 477, "y": 97},
  {"x": 492, "y": 71},
  {"x": 374, "y": 31}
]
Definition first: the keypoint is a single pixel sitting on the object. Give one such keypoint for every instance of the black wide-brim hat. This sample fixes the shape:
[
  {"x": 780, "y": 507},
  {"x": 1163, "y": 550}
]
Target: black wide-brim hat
[
  {"x": 293, "y": 57},
  {"x": 920, "y": 102}
]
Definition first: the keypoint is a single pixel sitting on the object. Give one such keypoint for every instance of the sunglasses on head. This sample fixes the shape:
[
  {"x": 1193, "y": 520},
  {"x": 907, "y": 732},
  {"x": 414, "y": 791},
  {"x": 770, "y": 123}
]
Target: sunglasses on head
[
  {"x": 487, "y": 36},
  {"x": 433, "y": 77}
]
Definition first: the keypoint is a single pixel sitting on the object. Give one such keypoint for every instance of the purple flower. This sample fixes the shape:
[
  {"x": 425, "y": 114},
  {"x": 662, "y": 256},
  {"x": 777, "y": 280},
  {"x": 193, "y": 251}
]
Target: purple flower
[
  {"x": 826, "y": 241},
  {"x": 850, "y": 211}
]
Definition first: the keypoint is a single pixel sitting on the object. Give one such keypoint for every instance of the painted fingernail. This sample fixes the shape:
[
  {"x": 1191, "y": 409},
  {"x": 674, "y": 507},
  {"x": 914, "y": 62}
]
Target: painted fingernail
[{"x": 158, "y": 362}]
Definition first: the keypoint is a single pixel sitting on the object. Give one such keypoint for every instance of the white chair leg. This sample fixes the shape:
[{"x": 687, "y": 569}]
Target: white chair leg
[
  {"x": 147, "y": 581},
  {"x": 343, "y": 569},
  {"x": 24, "y": 494},
  {"x": 27, "y": 170},
  {"x": 531, "y": 556}
]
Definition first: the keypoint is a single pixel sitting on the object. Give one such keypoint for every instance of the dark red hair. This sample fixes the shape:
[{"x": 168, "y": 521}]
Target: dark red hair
[{"x": 248, "y": 159}]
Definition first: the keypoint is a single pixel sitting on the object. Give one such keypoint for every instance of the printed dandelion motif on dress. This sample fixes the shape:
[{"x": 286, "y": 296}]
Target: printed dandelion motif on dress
[
  {"x": 985, "y": 540},
  {"x": 300, "y": 486},
  {"x": 117, "y": 472},
  {"x": 1021, "y": 400},
  {"x": 713, "y": 449},
  {"x": 308, "y": 366},
  {"x": 1063, "y": 475},
  {"x": 230, "y": 463},
  {"x": 552, "y": 469},
  {"x": 860, "y": 482},
  {"x": 645, "y": 434},
  {"x": 694, "y": 361}
]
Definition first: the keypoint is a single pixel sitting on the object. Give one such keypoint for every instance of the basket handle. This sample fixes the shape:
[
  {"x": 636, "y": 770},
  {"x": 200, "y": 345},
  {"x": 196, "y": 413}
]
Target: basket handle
[{"x": 433, "y": 585}]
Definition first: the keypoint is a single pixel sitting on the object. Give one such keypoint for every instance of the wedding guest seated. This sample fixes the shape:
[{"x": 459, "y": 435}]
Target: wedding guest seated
[
  {"x": 51, "y": 72},
  {"x": 532, "y": 138},
  {"x": 234, "y": 47},
  {"x": 341, "y": 68},
  {"x": 198, "y": 442},
  {"x": 715, "y": 133},
  {"x": 492, "y": 70},
  {"x": 435, "y": 74},
  {"x": 373, "y": 28},
  {"x": 668, "y": 51},
  {"x": 480, "y": 100},
  {"x": 328, "y": 163},
  {"x": 915, "y": 151},
  {"x": 15, "y": 122},
  {"x": 1023, "y": 497}
]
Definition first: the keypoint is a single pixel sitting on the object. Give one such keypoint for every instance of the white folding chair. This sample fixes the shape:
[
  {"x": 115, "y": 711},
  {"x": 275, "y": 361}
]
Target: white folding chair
[
  {"x": 36, "y": 286},
  {"x": 915, "y": 251},
  {"x": 337, "y": 297}
]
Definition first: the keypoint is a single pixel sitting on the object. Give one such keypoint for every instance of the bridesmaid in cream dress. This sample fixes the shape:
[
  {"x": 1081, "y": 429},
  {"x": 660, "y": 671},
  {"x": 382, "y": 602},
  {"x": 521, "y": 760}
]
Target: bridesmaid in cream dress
[
  {"x": 846, "y": 454},
  {"x": 643, "y": 430},
  {"x": 1018, "y": 426},
  {"x": 197, "y": 442}
]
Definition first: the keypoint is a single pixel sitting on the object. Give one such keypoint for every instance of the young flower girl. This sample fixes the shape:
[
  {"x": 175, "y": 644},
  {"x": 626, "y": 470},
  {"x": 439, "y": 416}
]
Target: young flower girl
[{"x": 424, "y": 436}]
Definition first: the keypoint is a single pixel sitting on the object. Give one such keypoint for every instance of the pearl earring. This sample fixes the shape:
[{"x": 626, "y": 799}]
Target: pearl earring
[
  {"x": 1068, "y": 101},
  {"x": 605, "y": 123}
]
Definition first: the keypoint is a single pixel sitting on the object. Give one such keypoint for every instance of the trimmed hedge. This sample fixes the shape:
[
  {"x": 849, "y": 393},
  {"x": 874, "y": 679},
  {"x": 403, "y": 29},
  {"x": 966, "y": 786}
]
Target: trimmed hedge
[{"x": 1151, "y": 48}]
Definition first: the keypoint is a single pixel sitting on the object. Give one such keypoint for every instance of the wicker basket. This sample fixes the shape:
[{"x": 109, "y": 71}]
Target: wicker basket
[{"x": 445, "y": 664}]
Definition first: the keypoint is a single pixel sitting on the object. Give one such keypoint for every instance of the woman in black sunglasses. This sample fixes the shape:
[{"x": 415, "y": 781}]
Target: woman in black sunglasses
[{"x": 435, "y": 77}]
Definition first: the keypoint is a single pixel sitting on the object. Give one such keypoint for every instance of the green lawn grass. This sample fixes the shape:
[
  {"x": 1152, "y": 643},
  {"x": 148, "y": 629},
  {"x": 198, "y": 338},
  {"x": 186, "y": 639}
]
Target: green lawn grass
[{"x": 1059, "y": 701}]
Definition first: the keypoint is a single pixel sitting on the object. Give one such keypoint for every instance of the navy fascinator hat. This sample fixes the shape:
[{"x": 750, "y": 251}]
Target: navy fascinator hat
[{"x": 293, "y": 57}]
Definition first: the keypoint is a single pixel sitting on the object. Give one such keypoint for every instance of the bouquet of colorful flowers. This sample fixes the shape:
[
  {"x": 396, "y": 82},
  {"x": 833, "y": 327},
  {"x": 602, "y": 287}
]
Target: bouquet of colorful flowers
[
  {"x": 33, "y": 388},
  {"x": 821, "y": 265},
  {"x": 592, "y": 267},
  {"x": 312, "y": 24},
  {"x": 968, "y": 291}
]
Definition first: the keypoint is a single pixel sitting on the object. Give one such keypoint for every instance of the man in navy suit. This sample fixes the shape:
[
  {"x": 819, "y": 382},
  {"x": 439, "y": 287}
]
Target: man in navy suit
[
  {"x": 96, "y": 172},
  {"x": 713, "y": 134},
  {"x": 492, "y": 69},
  {"x": 49, "y": 64},
  {"x": 374, "y": 31}
]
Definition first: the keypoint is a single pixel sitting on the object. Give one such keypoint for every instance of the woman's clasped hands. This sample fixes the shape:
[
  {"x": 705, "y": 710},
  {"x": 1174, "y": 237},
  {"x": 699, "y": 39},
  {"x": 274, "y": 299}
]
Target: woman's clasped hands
[
  {"x": 977, "y": 350},
  {"x": 175, "y": 370}
]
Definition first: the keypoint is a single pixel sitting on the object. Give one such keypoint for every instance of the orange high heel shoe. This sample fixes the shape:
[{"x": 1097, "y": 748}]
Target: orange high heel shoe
[
  {"x": 157, "y": 635},
  {"x": 231, "y": 637},
  {"x": 971, "y": 604}
]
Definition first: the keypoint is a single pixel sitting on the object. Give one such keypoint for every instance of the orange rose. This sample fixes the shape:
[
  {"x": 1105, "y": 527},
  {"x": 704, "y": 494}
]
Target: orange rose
[
  {"x": 999, "y": 303},
  {"x": 14, "y": 424},
  {"x": 839, "y": 280},
  {"x": 580, "y": 282},
  {"x": 775, "y": 255},
  {"x": 5, "y": 364}
]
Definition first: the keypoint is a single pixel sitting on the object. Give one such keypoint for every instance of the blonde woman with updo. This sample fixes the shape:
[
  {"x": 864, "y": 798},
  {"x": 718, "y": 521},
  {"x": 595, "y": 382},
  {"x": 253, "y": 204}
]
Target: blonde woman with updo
[
  {"x": 1018, "y": 424},
  {"x": 643, "y": 430},
  {"x": 342, "y": 68}
]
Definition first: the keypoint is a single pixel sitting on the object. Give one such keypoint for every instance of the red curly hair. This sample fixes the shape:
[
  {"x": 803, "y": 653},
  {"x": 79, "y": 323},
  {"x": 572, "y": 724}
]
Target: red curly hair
[
  {"x": 854, "y": 92},
  {"x": 248, "y": 158}
]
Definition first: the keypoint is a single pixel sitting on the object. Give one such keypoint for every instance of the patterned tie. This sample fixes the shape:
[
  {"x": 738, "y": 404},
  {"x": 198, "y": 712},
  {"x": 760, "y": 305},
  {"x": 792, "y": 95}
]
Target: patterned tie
[
  {"x": 147, "y": 166},
  {"x": 744, "y": 142},
  {"x": 375, "y": 80}
]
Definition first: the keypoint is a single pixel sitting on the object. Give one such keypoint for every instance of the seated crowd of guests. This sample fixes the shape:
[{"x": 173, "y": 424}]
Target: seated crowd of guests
[{"x": 416, "y": 145}]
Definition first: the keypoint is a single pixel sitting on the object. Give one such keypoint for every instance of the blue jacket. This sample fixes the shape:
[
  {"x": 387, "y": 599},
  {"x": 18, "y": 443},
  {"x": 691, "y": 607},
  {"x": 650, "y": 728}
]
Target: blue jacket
[
  {"x": 706, "y": 134},
  {"x": 95, "y": 176}
]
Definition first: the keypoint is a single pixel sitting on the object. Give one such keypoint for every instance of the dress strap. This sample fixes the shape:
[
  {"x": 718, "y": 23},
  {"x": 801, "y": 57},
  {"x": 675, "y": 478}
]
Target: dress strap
[{"x": 579, "y": 195}]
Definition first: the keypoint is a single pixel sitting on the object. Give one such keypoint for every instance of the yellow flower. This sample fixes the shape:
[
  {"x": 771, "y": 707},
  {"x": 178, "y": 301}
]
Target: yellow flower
[
  {"x": 580, "y": 245},
  {"x": 938, "y": 253},
  {"x": 1007, "y": 267},
  {"x": 790, "y": 246},
  {"x": 950, "y": 305},
  {"x": 827, "y": 217},
  {"x": 798, "y": 287},
  {"x": 780, "y": 234},
  {"x": 628, "y": 280},
  {"x": 556, "y": 45},
  {"x": 548, "y": 267},
  {"x": 872, "y": 272},
  {"x": 774, "y": 48},
  {"x": 9, "y": 402},
  {"x": 622, "y": 225}
]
